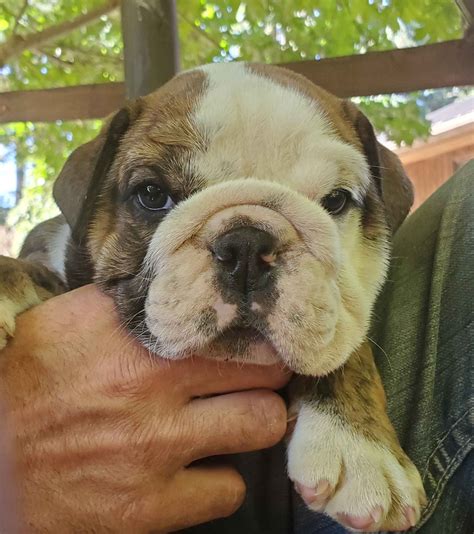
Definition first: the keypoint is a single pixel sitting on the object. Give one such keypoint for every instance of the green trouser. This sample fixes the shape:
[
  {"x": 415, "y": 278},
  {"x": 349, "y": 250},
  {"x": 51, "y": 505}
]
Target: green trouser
[
  {"x": 425, "y": 325},
  {"x": 424, "y": 346}
]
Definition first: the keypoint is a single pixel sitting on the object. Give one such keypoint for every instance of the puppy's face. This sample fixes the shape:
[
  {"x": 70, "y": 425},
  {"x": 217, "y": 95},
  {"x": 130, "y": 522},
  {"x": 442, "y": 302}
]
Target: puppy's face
[{"x": 239, "y": 215}]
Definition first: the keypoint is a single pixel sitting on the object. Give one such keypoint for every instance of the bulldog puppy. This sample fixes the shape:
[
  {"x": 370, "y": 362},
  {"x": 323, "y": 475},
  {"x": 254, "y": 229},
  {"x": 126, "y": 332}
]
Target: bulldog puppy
[{"x": 242, "y": 212}]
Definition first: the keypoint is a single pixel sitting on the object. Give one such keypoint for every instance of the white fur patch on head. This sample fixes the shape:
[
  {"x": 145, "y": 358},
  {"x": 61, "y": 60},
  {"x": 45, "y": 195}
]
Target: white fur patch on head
[{"x": 256, "y": 127}]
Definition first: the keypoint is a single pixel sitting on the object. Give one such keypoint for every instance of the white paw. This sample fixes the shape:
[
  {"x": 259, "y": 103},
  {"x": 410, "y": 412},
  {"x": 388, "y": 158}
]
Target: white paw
[
  {"x": 8, "y": 312},
  {"x": 358, "y": 482},
  {"x": 11, "y": 307},
  {"x": 19, "y": 291}
]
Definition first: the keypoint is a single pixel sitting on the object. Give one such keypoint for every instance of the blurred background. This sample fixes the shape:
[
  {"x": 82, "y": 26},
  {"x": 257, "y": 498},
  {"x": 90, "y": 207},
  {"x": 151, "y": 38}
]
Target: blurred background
[{"x": 60, "y": 43}]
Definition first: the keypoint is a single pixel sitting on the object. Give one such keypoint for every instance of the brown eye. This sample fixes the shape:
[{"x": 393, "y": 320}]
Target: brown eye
[
  {"x": 337, "y": 201},
  {"x": 153, "y": 198}
]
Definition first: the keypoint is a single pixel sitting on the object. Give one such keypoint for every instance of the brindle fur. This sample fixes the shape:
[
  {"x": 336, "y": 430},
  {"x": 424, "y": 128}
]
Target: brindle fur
[
  {"x": 23, "y": 284},
  {"x": 353, "y": 393}
]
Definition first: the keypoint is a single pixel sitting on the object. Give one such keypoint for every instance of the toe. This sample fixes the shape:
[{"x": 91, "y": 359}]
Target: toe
[
  {"x": 315, "y": 496},
  {"x": 365, "y": 522},
  {"x": 307, "y": 494},
  {"x": 5, "y": 333},
  {"x": 411, "y": 516}
]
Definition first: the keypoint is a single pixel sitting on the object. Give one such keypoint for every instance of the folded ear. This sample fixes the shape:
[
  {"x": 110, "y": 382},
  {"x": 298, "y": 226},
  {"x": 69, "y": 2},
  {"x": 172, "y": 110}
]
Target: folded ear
[
  {"x": 386, "y": 168},
  {"x": 78, "y": 184}
]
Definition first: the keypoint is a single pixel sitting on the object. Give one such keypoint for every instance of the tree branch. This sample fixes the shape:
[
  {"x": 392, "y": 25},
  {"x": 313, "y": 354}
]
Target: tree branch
[
  {"x": 8, "y": 12},
  {"x": 53, "y": 58},
  {"x": 18, "y": 17},
  {"x": 17, "y": 44},
  {"x": 90, "y": 54},
  {"x": 199, "y": 31}
]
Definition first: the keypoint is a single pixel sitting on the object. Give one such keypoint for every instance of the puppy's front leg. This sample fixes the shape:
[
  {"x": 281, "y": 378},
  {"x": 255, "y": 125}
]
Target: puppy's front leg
[
  {"x": 344, "y": 455},
  {"x": 23, "y": 284}
]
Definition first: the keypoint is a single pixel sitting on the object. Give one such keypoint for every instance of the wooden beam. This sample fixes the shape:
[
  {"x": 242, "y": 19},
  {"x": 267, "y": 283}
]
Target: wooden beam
[
  {"x": 63, "y": 103},
  {"x": 151, "y": 48},
  {"x": 460, "y": 137},
  {"x": 425, "y": 67},
  {"x": 396, "y": 71}
]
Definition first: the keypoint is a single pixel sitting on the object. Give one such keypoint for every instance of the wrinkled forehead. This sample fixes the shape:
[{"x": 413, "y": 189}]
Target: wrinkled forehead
[
  {"x": 225, "y": 121},
  {"x": 277, "y": 91}
]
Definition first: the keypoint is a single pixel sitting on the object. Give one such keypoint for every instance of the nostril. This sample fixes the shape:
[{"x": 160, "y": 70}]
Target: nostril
[
  {"x": 226, "y": 253},
  {"x": 269, "y": 258}
]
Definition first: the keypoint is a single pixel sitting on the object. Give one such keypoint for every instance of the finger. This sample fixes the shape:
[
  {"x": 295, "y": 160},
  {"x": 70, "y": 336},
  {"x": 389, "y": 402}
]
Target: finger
[
  {"x": 236, "y": 422},
  {"x": 198, "y": 377},
  {"x": 200, "y": 494}
]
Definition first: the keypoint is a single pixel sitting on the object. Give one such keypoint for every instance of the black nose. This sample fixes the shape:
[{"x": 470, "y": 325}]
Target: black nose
[{"x": 245, "y": 258}]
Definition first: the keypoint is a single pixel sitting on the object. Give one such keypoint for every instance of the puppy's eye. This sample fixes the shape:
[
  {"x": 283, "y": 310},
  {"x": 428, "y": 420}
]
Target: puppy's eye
[
  {"x": 153, "y": 198},
  {"x": 337, "y": 201}
]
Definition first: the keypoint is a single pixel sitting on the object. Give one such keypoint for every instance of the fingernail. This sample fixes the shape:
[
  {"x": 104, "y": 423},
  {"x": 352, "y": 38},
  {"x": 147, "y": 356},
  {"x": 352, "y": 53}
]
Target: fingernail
[
  {"x": 377, "y": 514},
  {"x": 307, "y": 494},
  {"x": 410, "y": 514},
  {"x": 355, "y": 522}
]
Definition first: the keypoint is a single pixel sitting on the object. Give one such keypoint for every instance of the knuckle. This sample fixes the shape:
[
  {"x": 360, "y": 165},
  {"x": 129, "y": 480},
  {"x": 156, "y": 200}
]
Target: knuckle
[
  {"x": 127, "y": 377},
  {"x": 165, "y": 442},
  {"x": 131, "y": 516}
]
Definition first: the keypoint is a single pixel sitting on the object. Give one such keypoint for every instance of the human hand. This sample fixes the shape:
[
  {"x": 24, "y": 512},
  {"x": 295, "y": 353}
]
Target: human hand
[{"x": 105, "y": 432}]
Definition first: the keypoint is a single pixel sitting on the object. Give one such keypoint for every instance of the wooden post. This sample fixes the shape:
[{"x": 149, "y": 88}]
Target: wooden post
[
  {"x": 467, "y": 9},
  {"x": 151, "y": 49}
]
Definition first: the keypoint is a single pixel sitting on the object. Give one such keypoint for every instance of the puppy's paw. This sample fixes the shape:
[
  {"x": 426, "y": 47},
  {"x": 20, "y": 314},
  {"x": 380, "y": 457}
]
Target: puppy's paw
[
  {"x": 7, "y": 321},
  {"x": 22, "y": 285},
  {"x": 10, "y": 308},
  {"x": 362, "y": 484}
]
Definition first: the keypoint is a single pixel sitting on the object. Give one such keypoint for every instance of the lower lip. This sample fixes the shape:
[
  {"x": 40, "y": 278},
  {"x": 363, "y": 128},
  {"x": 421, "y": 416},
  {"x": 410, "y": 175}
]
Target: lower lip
[
  {"x": 241, "y": 333},
  {"x": 260, "y": 350},
  {"x": 264, "y": 353}
]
